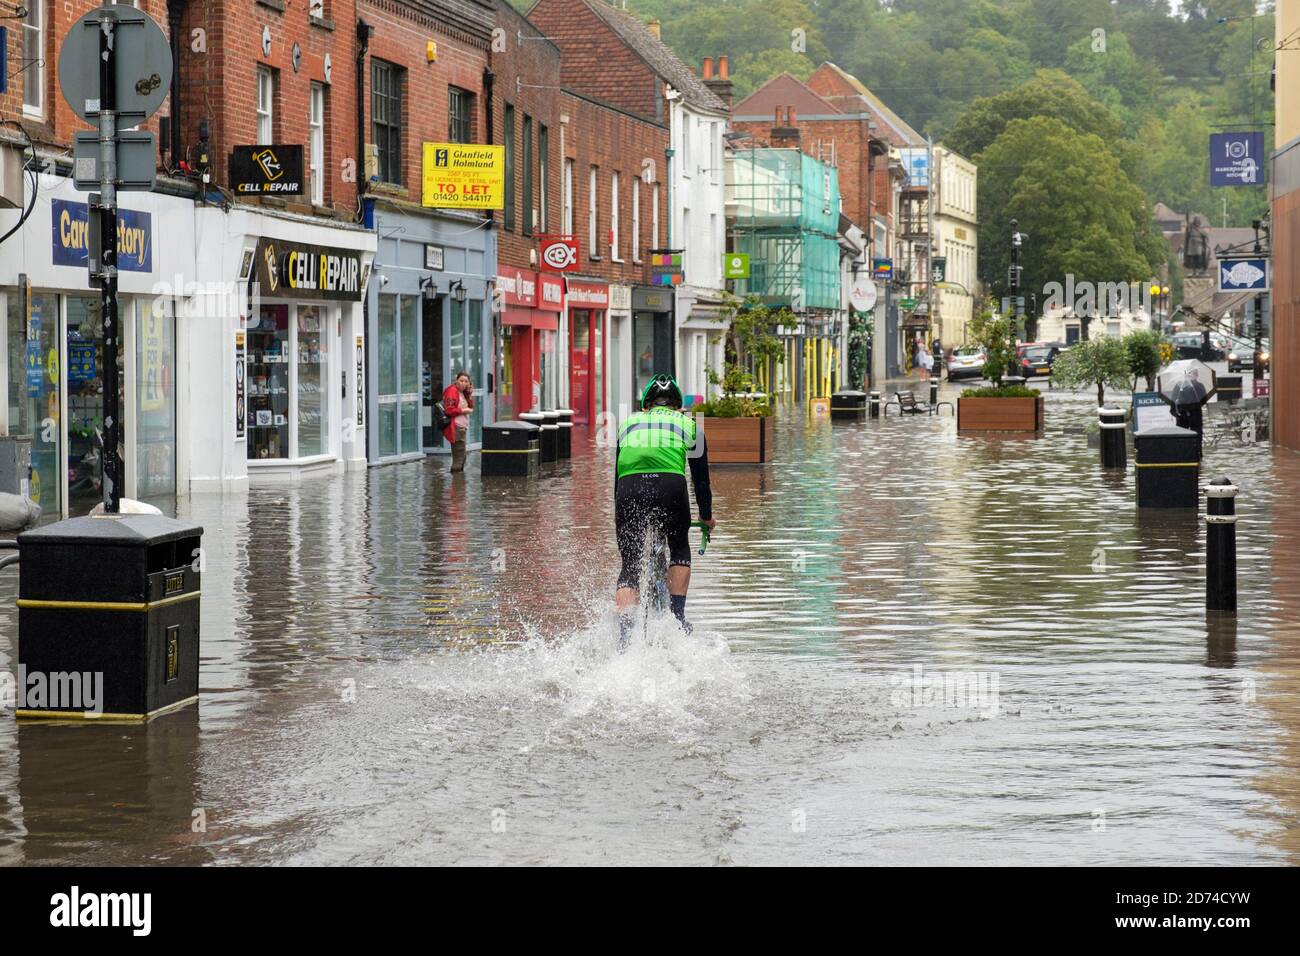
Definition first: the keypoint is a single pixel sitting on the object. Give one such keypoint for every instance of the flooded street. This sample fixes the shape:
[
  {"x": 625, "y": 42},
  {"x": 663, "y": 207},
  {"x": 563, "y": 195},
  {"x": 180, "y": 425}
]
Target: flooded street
[{"x": 400, "y": 667}]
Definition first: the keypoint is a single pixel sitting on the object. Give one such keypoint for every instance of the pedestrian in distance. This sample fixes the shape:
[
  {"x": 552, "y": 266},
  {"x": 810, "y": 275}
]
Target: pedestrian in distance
[
  {"x": 926, "y": 361},
  {"x": 458, "y": 403}
]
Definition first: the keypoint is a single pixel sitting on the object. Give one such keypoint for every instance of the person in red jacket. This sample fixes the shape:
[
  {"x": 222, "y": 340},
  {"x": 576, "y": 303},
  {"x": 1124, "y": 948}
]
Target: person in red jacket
[{"x": 458, "y": 402}]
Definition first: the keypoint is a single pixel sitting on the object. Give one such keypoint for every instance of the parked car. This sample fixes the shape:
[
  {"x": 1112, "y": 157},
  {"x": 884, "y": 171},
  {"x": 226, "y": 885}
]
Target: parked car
[
  {"x": 1036, "y": 358},
  {"x": 966, "y": 362}
]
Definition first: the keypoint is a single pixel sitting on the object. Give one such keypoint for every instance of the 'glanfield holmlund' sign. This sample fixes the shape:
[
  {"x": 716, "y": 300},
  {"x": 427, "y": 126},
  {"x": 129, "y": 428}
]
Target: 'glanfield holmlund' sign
[{"x": 296, "y": 271}]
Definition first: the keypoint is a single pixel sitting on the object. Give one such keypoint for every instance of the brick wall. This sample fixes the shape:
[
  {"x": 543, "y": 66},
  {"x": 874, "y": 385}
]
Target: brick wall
[
  {"x": 596, "y": 61},
  {"x": 614, "y": 141},
  {"x": 59, "y": 123},
  {"x": 401, "y": 37},
  {"x": 527, "y": 78}
]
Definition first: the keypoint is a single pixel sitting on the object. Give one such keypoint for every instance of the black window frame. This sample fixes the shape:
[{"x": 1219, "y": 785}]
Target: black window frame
[
  {"x": 508, "y": 125},
  {"x": 543, "y": 165},
  {"x": 460, "y": 115},
  {"x": 387, "y": 81},
  {"x": 527, "y": 160}
]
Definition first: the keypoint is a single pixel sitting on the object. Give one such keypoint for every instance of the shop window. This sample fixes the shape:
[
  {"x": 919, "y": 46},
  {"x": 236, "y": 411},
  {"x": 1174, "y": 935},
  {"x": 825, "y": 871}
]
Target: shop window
[
  {"x": 268, "y": 383},
  {"x": 33, "y": 399},
  {"x": 386, "y": 118},
  {"x": 510, "y": 167},
  {"x": 313, "y": 363},
  {"x": 85, "y": 400},
  {"x": 155, "y": 401},
  {"x": 460, "y": 112}
]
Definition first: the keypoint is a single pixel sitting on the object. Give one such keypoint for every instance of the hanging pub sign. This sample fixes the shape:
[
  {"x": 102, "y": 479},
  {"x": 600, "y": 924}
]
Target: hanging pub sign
[
  {"x": 266, "y": 170},
  {"x": 291, "y": 270}
]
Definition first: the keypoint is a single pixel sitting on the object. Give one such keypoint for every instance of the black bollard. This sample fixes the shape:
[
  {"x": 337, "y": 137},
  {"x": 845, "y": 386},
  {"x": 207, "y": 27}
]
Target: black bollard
[
  {"x": 1221, "y": 546},
  {"x": 934, "y": 392},
  {"x": 1114, "y": 446},
  {"x": 875, "y": 404}
]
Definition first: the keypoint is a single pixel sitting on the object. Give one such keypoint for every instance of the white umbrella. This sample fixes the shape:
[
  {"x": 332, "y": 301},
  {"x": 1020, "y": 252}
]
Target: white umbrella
[{"x": 1187, "y": 382}]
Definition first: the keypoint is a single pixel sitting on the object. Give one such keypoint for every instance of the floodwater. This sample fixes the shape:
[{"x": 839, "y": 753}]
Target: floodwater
[{"x": 401, "y": 667}]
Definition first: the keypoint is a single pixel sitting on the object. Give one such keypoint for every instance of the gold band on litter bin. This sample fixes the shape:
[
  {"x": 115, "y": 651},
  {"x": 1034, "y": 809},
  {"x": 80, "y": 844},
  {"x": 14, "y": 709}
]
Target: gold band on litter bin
[
  {"x": 92, "y": 718},
  {"x": 1168, "y": 464},
  {"x": 507, "y": 451},
  {"x": 105, "y": 605}
]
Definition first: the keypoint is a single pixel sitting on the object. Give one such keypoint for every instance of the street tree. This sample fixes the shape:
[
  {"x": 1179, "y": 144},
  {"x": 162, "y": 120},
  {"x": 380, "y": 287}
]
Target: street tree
[
  {"x": 1083, "y": 216},
  {"x": 1098, "y": 362},
  {"x": 1145, "y": 357}
]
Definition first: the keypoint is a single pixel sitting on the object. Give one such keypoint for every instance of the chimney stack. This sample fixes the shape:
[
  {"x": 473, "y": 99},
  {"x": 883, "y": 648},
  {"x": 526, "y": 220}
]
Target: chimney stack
[
  {"x": 654, "y": 28},
  {"x": 785, "y": 134},
  {"x": 717, "y": 81}
]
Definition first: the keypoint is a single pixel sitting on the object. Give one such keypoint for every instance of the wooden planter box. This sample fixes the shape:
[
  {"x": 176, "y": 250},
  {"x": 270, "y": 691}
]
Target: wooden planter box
[
  {"x": 1000, "y": 414},
  {"x": 744, "y": 441}
]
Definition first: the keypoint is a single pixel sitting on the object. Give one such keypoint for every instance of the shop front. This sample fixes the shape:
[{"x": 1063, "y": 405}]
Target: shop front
[
  {"x": 530, "y": 319},
  {"x": 588, "y": 304},
  {"x": 280, "y": 297},
  {"x": 652, "y": 340},
  {"x": 619, "y": 352},
  {"x": 700, "y": 345},
  {"x": 52, "y": 374},
  {"x": 428, "y": 317}
]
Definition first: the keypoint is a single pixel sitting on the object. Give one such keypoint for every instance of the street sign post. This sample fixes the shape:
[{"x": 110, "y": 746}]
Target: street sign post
[{"x": 115, "y": 69}]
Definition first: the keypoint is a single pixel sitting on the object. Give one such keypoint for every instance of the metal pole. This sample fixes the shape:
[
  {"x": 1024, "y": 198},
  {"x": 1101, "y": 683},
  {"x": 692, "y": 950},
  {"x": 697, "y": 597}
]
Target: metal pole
[
  {"x": 107, "y": 211},
  {"x": 1221, "y": 546}
]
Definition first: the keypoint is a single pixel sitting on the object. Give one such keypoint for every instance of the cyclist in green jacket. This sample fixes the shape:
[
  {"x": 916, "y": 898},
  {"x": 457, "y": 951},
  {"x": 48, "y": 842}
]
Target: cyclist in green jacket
[{"x": 655, "y": 446}]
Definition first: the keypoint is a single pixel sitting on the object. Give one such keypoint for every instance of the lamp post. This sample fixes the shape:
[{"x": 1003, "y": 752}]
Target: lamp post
[{"x": 1013, "y": 283}]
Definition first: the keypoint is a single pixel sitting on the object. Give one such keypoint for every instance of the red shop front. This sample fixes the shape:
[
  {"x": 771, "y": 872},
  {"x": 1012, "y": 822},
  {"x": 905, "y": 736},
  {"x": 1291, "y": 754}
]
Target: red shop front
[
  {"x": 530, "y": 320},
  {"x": 588, "y": 302}
]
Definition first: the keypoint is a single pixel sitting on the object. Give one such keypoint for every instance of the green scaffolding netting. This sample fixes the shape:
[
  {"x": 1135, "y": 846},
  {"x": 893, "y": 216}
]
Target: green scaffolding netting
[{"x": 787, "y": 209}]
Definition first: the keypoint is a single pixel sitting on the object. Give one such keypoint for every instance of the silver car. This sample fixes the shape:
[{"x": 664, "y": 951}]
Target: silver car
[{"x": 966, "y": 362}]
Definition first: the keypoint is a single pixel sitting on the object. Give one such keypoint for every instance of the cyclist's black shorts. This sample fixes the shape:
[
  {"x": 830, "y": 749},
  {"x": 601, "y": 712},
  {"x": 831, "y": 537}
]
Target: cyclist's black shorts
[{"x": 646, "y": 503}]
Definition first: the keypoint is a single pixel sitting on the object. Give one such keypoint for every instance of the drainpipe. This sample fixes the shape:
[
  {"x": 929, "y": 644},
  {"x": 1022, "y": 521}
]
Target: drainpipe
[
  {"x": 364, "y": 32},
  {"x": 175, "y": 10}
]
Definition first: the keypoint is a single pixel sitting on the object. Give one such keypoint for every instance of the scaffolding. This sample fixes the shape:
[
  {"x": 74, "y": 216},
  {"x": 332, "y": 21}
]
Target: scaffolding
[{"x": 786, "y": 216}]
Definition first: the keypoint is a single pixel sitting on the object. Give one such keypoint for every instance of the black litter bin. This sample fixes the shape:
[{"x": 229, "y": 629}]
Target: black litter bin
[
  {"x": 510, "y": 450},
  {"x": 849, "y": 405},
  {"x": 550, "y": 443},
  {"x": 565, "y": 447},
  {"x": 108, "y": 615},
  {"x": 1168, "y": 469}
]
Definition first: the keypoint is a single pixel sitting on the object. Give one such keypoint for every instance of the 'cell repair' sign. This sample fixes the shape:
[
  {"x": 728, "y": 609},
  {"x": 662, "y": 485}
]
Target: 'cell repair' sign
[{"x": 463, "y": 176}]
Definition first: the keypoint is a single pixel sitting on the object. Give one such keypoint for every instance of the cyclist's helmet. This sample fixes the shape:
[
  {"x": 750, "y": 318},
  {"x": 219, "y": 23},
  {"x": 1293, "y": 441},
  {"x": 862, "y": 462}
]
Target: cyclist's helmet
[{"x": 662, "y": 390}]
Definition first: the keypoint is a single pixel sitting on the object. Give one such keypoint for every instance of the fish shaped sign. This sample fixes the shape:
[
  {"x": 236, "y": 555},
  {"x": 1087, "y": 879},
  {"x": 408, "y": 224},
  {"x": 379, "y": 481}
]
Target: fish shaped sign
[{"x": 1244, "y": 274}]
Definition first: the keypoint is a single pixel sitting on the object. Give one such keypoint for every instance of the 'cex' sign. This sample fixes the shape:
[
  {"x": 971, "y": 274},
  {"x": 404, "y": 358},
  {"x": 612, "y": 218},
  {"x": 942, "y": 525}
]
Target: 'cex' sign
[{"x": 559, "y": 253}]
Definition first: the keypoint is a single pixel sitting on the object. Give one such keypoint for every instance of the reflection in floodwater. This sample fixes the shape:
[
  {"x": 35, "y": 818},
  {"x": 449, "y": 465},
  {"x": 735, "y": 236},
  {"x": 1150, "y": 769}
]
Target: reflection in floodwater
[{"x": 911, "y": 647}]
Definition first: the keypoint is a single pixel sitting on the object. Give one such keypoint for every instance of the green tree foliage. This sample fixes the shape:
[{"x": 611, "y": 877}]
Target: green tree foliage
[
  {"x": 1098, "y": 362},
  {"x": 1142, "y": 347},
  {"x": 993, "y": 334},
  {"x": 1082, "y": 214}
]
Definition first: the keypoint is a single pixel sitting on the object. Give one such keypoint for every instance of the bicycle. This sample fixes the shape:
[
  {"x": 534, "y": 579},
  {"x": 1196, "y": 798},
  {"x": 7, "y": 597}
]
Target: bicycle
[{"x": 657, "y": 601}]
